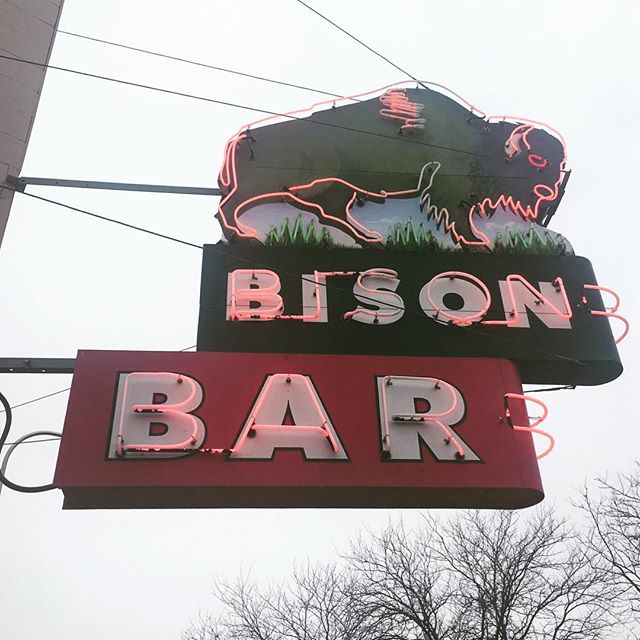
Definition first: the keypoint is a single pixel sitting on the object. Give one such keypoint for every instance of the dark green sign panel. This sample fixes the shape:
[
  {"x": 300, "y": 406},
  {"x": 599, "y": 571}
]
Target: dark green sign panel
[
  {"x": 535, "y": 310},
  {"x": 412, "y": 168}
]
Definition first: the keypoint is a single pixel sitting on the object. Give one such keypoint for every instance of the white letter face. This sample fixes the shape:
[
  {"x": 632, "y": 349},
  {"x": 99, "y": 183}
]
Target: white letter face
[
  {"x": 314, "y": 297},
  {"x": 517, "y": 298},
  {"x": 474, "y": 299},
  {"x": 414, "y": 409},
  {"x": 252, "y": 294},
  {"x": 376, "y": 287},
  {"x": 152, "y": 416},
  {"x": 288, "y": 414}
]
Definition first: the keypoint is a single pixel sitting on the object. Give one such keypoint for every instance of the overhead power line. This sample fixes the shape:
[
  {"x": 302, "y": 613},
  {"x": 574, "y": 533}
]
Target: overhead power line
[
  {"x": 181, "y": 94},
  {"x": 106, "y": 218},
  {"x": 48, "y": 395},
  {"x": 326, "y": 285},
  {"x": 10, "y": 444},
  {"x": 366, "y": 46},
  {"x": 204, "y": 65},
  {"x": 3, "y": 436}
]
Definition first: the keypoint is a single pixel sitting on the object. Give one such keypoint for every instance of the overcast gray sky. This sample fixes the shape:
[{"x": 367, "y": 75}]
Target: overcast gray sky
[{"x": 71, "y": 282}]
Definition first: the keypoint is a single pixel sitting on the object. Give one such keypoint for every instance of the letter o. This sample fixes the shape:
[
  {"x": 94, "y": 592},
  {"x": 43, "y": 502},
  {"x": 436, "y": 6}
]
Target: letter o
[{"x": 472, "y": 290}]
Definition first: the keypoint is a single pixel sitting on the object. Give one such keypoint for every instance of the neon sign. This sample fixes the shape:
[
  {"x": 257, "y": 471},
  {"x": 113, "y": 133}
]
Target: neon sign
[
  {"x": 610, "y": 312},
  {"x": 253, "y": 294},
  {"x": 154, "y": 415},
  {"x": 441, "y": 134},
  {"x": 397, "y": 106},
  {"x": 531, "y": 428},
  {"x": 243, "y": 429},
  {"x": 545, "y": 313}
]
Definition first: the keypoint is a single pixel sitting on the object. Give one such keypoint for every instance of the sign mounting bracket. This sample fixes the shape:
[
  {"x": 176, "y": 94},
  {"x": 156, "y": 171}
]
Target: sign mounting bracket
[
  {"x": 37, "y": 365},
  {"x": 22, "y": 182}
]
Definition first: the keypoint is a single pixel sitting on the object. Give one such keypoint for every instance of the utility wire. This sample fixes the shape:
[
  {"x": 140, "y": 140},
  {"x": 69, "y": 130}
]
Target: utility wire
[
  {"x": 12, "y": 447},
  {"x": 565, "y": 387},
  {"x": 202, "y": 64},
  {"x": 325, "y": 284},
  {"x": 55, "y": 393},
  {"x": 351, "y": 170},
  {"x": 366, "y": 46},
  {"x": 405, "y": 139},
  {"x": 105, "y": 218},
  {"x": 10, "y": 444},
  {"x": 3, "y": 436},
  {"x": 49, "y": 395}
]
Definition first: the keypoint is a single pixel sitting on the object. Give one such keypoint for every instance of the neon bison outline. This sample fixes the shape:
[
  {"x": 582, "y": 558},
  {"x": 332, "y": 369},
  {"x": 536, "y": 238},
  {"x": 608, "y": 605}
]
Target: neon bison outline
[{"x": 459, "y": 165}]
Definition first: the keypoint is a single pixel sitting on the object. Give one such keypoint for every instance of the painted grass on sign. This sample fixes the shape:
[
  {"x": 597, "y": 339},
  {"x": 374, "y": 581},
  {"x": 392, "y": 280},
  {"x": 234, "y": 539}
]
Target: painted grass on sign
[
  {"x": 409, "y": 236},
  {"x": 299, "y": 235}
]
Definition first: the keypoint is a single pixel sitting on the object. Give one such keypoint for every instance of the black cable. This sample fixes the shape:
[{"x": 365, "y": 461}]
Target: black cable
[
  {"x": 266, "y": 266},
  {"x": 566, "y": 387},
  {"x": 9, "y": 444},
  {"x": 349, "y": 170},
  {"x": 106, "y": 219},
  {"x": 3, "y": 436},
  {"x": 202, "y": 64},
  {"x": 22, "y": 404},
  {"x": 404, "y": 139},
  {"x": 48, "y": 395},
  {"x": 366, "y": 46},
  {"x": 55, "y": 393}
]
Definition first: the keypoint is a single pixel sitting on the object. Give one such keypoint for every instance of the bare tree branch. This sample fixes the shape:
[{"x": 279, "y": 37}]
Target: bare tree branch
[{"x": 475, "y": 576}]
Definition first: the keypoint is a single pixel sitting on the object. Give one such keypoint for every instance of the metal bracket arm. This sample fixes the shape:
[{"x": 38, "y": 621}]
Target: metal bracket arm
[{"x": 37, "y": 365}]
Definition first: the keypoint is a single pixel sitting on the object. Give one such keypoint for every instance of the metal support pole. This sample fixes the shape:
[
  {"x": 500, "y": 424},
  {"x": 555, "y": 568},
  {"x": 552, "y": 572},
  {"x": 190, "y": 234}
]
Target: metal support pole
[
  {"x": 21, "y": 184},
  {"x": 37, "y": 365}
]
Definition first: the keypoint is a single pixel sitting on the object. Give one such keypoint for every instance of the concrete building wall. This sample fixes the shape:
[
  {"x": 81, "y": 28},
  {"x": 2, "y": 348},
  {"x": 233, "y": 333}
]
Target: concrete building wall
[{"x": 27, "y": 31}]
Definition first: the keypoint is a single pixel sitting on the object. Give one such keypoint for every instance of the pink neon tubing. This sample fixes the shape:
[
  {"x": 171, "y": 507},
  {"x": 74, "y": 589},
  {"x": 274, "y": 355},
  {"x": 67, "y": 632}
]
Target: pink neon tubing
[
  {"x": 399, "y": 107},
  {"x": 537, "y": 161},
  {"x": 566, "y": 315},
  {"x": 252, "y": 418},
  {"x": 318, "y": 311},
  {"x": 258, "y": 295},
  {"x": 388, "y": 274},
  {"x": 610, "y": 313},
  {"x": 229, "y": 176},
  {"x": 121, "y": 448},
  {"x": 463, "y": 322},
  {"x": 428, "y": 417},
  {"x": 533, "y": 428},
  {"x": 376, "y": 235}
]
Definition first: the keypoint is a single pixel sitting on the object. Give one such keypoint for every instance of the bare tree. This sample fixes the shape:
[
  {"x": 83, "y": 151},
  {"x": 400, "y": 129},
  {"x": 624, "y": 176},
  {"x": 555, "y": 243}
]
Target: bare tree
[
  {"x": 206, "y": 628},
  {"x": 614, "y": 516},
  {"x": 316, "y": 604},
  {"x": 518, "y": 579},
  {"x": 484, "y": 577},
  {"x": 402, "y": 584},
  {"x": 475, "y": 576}
]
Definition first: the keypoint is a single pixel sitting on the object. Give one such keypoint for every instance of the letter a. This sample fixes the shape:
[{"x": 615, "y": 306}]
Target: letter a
[{"x": 288, "y": 395}]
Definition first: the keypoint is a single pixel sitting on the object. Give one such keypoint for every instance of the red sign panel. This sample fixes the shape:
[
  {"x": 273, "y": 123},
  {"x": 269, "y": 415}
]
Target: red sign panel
[{"x": 288, "y": 430}]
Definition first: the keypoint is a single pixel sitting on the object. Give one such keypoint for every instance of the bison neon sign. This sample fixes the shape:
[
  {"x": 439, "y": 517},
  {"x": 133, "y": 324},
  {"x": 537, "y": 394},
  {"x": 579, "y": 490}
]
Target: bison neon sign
[
  {"x": 222, "y": 429},
  {"x": 254, "y": 294},
  {"x": 350, "y": 376},
  {"x": 449, "y": 164},
  {"x": 544, "y": 312}
]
